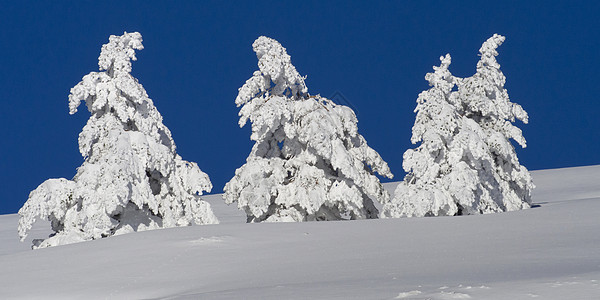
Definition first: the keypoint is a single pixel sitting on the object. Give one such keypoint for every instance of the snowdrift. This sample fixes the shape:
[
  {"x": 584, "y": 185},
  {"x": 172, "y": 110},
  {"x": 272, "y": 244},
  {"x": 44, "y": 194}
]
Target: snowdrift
[{"x": 551, "y": 251}]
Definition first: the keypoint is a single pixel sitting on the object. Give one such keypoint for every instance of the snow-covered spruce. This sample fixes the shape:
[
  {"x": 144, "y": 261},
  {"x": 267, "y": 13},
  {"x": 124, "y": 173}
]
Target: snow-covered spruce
[
  {"x": 465, "y": 163},
  {"x": 131, "y": 179},
  {"x": 308, "y": 162},
  {"x": 433, "y": 185}
]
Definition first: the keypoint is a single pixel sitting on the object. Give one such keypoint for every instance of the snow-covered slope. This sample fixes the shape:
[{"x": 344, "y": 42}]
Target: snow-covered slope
[{"x": 551, "y": 251}]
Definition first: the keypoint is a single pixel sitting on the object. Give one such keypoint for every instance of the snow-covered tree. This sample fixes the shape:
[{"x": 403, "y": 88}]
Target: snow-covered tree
[
  {"x": 465, "y": 163},
  {"x": 485, "y": 101},
  {"x": 308, "y": 161},
  {"x": 131, "y": 178},
  {"x": 429, "y": 188}
]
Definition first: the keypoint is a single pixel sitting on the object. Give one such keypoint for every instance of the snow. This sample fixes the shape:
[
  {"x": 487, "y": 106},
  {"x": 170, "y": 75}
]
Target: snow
[
  {"x": 308, "y": 161},
  {"x": 465, "y": 163},
  {"x": 551, "y": 251},
  {"x": 131, "y": 178}
]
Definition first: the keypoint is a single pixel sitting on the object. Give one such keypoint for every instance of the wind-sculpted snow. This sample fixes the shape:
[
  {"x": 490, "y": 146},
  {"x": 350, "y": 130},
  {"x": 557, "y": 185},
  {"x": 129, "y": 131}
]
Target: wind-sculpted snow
[
  {"x": 465, "y": 163},
  {"x": 131, "y": 179},
  {"x": 547, "y": 252},
  {"x": 308, "y": 162}
]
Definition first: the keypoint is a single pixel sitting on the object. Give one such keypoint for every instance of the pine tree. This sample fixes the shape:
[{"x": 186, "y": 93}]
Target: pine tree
[
  {"x": 425, "y": 189},
  {"x": 131, "y": 178},
  {"x": 308, "y": 161},
  {"x": 465, "y": 163},
  {"x": 485, "y": 101}
]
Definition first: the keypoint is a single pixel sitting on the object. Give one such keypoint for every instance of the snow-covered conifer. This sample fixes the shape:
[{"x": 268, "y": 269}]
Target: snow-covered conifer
[
  {"x": 131, "y": 178},
  {"x": 426, "y": 190},
  {"x": 465, "y": 163},
  {"x": 308, "y": 161},
  {"x": 485, "y": 101}
]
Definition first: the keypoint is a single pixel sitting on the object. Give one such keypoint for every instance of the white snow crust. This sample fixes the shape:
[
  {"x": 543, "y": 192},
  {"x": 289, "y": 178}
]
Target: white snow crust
[{"x": 551, "y": 251}]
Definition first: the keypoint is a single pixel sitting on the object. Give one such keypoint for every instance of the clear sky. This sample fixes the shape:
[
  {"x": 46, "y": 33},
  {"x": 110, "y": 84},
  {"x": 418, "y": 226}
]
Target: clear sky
[{"x": 375, "y": 54}]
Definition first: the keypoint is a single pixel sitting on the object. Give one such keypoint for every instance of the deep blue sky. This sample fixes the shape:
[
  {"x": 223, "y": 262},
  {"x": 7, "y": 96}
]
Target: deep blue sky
[{"x": 197, "y": 54}]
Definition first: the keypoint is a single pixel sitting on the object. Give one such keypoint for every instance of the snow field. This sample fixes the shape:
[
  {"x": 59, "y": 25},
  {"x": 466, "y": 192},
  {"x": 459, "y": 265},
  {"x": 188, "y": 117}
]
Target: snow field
[{"x": 551, "y": 251}]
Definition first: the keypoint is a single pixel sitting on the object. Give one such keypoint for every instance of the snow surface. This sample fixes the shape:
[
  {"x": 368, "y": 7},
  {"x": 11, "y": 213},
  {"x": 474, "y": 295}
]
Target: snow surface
[{"x": 551, "y": 251}]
